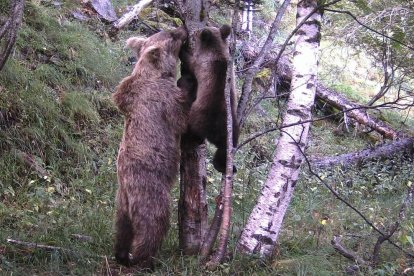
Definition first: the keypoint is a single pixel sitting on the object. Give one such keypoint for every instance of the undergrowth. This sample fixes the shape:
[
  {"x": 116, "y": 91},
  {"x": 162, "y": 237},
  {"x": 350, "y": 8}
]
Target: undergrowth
[{"x": 55, "y": 105}]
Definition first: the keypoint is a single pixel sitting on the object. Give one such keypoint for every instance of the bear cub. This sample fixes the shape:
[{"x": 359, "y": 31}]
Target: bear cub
[
  {"x": 207, "y": 65},
  {"x": 156, "y": 114}
]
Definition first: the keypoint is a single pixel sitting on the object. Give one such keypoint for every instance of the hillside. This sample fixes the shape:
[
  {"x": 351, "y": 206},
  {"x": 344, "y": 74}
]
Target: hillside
[{"x": 59, "y": 137}]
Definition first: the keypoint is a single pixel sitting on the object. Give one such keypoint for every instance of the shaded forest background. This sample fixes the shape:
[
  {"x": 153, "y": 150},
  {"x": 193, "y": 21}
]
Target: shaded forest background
[{"x": 59, "y": 136}]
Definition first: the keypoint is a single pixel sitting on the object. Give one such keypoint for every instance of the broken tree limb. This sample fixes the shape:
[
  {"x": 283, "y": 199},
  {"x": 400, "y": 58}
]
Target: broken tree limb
[
  {"x": 356, "y": 112},
  {"x": 381, "y": 151},
  {"x": 31, "y": 162},
  {"x": 131, "y": 15},
  {"x": 50, "y": 248},
  {"x": 336, "y": 243}
]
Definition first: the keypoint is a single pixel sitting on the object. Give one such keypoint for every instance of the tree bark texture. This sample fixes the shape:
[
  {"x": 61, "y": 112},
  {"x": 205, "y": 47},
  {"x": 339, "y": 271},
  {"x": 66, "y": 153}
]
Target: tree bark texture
[
  {"x": 192, "y": 206},
  {"x": 192, "y": 209},
  {"x": 381, "y": 151},
  {"x": 8, "y": 31},
  {"x": 264, "y": 224}
]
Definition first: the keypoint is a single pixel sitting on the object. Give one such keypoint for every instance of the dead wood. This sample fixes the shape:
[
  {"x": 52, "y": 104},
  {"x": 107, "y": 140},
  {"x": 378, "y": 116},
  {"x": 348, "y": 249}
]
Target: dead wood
[
  {"x": 336, "y": 243},
  {"x": 382, "y": 151},
  {"x": 356, "y": 112},
  {"x": 50, "y": 248},
  {"x": 31, "y": 162},
  {"x": 131, "y": 14}
]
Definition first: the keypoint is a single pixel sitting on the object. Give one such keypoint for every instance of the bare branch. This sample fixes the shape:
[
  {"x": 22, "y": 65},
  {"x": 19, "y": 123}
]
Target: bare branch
[
  {"x": 371, "y": 29},
  {"x": 336, "y": 243}
]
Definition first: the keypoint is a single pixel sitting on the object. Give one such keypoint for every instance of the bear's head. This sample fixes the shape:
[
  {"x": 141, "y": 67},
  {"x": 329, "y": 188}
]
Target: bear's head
[
  {"x": 158, "y": 52},
  {"x": 213, "y": 41}
]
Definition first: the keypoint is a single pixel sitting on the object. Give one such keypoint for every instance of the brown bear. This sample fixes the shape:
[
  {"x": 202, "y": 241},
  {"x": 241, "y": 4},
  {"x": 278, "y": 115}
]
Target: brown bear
[
  {"x": 207, "y": 64},
  {"x": 156, "y": 114}
]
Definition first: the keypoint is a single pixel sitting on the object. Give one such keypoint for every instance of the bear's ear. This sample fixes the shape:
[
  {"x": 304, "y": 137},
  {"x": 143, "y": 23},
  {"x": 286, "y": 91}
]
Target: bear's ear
[
  {"x": 206, "y": 35},
  {"x": 180, "y": 33},
  {"x": 135, "y": 44},
  {"x": 153, "y": 54},
  {"x": 225, "y": 31}
]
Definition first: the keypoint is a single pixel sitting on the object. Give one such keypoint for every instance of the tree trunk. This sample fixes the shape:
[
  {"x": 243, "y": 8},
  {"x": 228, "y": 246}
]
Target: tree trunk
[
  {"x": 381, "y": 151},
  {"x": 261, "y": 232},
  {"x": 8, "y": 31},
  {"x": 192, "y": 208}
]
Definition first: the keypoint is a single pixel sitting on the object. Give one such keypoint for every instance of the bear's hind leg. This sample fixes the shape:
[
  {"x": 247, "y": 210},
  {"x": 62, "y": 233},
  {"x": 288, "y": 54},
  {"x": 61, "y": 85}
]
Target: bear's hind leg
[{"x": 124, "y": 233}]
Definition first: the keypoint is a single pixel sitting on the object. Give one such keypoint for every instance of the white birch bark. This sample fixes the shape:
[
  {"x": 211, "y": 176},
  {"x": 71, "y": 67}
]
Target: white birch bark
[
  {"x": 129, "y": 16},
  {"x": 261, "y": 232}
]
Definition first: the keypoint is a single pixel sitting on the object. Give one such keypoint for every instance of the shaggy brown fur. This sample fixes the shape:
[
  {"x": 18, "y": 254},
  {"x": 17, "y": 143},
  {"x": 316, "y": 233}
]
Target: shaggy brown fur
[
  {"x": 208, "y": 65},
  {"x": 156, "y": 114}
]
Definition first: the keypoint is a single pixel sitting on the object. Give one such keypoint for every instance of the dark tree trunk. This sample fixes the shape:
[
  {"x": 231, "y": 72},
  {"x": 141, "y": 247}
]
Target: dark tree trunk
[{"x": 192, "y": 212}]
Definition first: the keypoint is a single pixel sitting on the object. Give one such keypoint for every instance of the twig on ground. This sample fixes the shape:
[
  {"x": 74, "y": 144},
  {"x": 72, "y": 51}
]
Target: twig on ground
[{"x": 336, "y": 243}]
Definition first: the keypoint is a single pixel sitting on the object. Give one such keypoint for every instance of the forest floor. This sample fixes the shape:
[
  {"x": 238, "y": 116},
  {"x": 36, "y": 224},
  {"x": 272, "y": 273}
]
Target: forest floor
[{"x": 55, "y": 108}]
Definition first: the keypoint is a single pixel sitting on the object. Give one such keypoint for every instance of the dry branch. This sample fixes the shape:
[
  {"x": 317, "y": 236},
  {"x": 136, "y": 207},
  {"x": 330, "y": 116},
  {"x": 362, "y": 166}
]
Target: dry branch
[
  {"x": 381, "y": 151},
  {"x": 357, "y": 112},
  {"x": 31, "y": 162},
  {"x": 132, "y": 14},
  {"x": 50, "y": 248},
  {"x": 336, "y": 243}
]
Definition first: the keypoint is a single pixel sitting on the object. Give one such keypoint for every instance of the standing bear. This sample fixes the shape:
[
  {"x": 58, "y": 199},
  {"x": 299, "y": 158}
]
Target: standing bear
[
  {"x": 207, "y": 65},
  {"x": 156, "y": 114}
]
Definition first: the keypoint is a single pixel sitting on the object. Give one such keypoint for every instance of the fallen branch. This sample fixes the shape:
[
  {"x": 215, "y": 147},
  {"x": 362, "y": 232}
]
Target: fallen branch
[
  {"x": 50, "y": 248},
  {"x": 381, "y": 151},
  {"x": 358, "y": 114},
  {"x": 340, "y": 198},
  {"x": 131, "y": 15},
  {"x": 336, "y": 243},
  {"x": 31, "y": 162}
]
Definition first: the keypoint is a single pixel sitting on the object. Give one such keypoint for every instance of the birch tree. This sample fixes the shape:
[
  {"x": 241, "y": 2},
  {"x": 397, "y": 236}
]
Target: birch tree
[{"x": 261, "y": 232}]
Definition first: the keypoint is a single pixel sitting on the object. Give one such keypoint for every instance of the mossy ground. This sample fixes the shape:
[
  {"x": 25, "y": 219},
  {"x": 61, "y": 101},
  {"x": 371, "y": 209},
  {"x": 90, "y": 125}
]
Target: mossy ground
[{"x": 55, "y": 104}]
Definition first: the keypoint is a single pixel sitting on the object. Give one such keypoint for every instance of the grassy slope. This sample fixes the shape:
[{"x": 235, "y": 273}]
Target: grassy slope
[{"x": 55, "y": 102}]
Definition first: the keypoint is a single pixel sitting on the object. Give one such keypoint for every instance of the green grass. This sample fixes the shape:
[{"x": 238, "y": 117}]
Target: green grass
[{"x": 55, "y": 105}]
